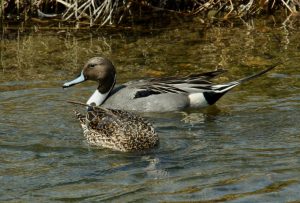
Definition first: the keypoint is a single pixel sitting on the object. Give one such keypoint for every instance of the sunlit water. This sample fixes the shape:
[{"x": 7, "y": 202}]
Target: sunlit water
[{"x": 244, "y": 149}]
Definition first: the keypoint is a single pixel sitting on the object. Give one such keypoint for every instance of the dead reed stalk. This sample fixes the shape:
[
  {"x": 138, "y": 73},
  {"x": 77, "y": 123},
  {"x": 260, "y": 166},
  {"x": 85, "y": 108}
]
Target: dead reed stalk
[{"x": 108, "y": 12}]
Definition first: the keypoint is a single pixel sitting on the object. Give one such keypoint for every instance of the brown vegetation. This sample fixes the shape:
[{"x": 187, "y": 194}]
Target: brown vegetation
[{"x": 114, "y": 12}]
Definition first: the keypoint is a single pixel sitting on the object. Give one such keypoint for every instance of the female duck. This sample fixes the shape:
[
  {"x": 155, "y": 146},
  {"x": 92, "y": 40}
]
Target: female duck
[{"x": 116, "y": 129}]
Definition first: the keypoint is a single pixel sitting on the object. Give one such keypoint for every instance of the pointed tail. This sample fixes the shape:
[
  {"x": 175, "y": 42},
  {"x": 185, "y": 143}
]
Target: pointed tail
[
  {"x": 256, "y": 75},
  {"x": 227, "y": 86},
  {"x": 219, "y": 90}
]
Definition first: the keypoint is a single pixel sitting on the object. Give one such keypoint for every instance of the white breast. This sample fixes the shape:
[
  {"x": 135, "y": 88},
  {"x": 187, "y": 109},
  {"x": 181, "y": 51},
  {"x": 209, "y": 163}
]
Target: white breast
[{"x": 97, "y": 98}]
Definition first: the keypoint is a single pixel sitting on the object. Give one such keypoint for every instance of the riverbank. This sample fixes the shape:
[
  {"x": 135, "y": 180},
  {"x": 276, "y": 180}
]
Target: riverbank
[{"x": 128, "y": 14}]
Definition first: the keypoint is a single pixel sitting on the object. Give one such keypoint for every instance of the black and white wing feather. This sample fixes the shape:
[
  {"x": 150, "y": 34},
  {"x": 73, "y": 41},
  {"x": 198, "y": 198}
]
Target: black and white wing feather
[
  {"x": 183, "y": 85},
  {"x": 195, "y": 83}
]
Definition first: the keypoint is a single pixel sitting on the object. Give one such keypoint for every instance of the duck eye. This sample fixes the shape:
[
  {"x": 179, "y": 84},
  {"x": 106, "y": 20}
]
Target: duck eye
[{"x": 92, "y": 65}]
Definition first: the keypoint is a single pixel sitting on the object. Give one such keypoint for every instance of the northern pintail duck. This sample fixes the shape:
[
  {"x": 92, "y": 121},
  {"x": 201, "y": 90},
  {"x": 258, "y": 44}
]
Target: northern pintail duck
[
  {"x": 117, "y": 129},
  {"x": 153, "y": 94}
]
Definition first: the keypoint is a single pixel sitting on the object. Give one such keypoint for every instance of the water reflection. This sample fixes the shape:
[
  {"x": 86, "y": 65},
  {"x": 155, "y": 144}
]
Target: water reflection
[
  {"x": 159, "y": 53},
  {"x": 244, "y": 149}
]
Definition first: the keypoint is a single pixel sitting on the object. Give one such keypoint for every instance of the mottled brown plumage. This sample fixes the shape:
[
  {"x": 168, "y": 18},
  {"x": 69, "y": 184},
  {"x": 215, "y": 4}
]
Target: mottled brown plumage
[{"x": 116, "y": 129}]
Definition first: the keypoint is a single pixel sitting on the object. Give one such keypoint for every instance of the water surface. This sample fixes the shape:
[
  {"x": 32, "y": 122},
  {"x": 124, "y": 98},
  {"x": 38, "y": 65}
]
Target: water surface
[{"x": 244, "y": 149}]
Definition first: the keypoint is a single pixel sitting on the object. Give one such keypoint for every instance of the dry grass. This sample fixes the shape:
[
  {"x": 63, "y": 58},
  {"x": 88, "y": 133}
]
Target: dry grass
[{"x": 105, "y": 12}]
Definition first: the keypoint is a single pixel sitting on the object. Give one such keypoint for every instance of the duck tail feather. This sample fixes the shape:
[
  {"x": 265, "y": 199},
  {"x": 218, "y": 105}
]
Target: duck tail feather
[
  {"x": 256, "y": 74},
  {"x": 219, "y": 90},
  {"x": 223, "y": 88}
]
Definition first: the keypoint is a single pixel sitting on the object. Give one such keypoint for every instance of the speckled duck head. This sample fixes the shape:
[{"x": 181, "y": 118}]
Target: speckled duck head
[{"x": 97, "y": 69}]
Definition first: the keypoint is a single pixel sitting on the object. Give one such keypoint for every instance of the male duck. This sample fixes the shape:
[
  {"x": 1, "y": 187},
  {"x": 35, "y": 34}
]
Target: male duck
[
  {"x": 117, "y": 129},
  {"x": 154, "y": 94}
]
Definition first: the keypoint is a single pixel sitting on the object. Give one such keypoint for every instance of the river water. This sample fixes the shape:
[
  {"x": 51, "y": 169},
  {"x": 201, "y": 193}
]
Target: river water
[{"x": 244, "y": 149}]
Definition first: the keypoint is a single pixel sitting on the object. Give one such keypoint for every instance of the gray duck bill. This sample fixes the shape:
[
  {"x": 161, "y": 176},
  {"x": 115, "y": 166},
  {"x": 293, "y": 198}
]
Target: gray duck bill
[{"x": 76, "y": 81}]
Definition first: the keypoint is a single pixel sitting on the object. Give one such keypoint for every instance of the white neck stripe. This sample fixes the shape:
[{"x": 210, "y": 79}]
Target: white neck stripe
[{"x": 98, "y": 98}]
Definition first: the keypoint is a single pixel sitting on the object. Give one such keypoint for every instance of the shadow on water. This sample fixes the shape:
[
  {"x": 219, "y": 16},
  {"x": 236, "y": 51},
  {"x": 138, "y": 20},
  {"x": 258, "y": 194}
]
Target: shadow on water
[{"x": 246, "y": 148}]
